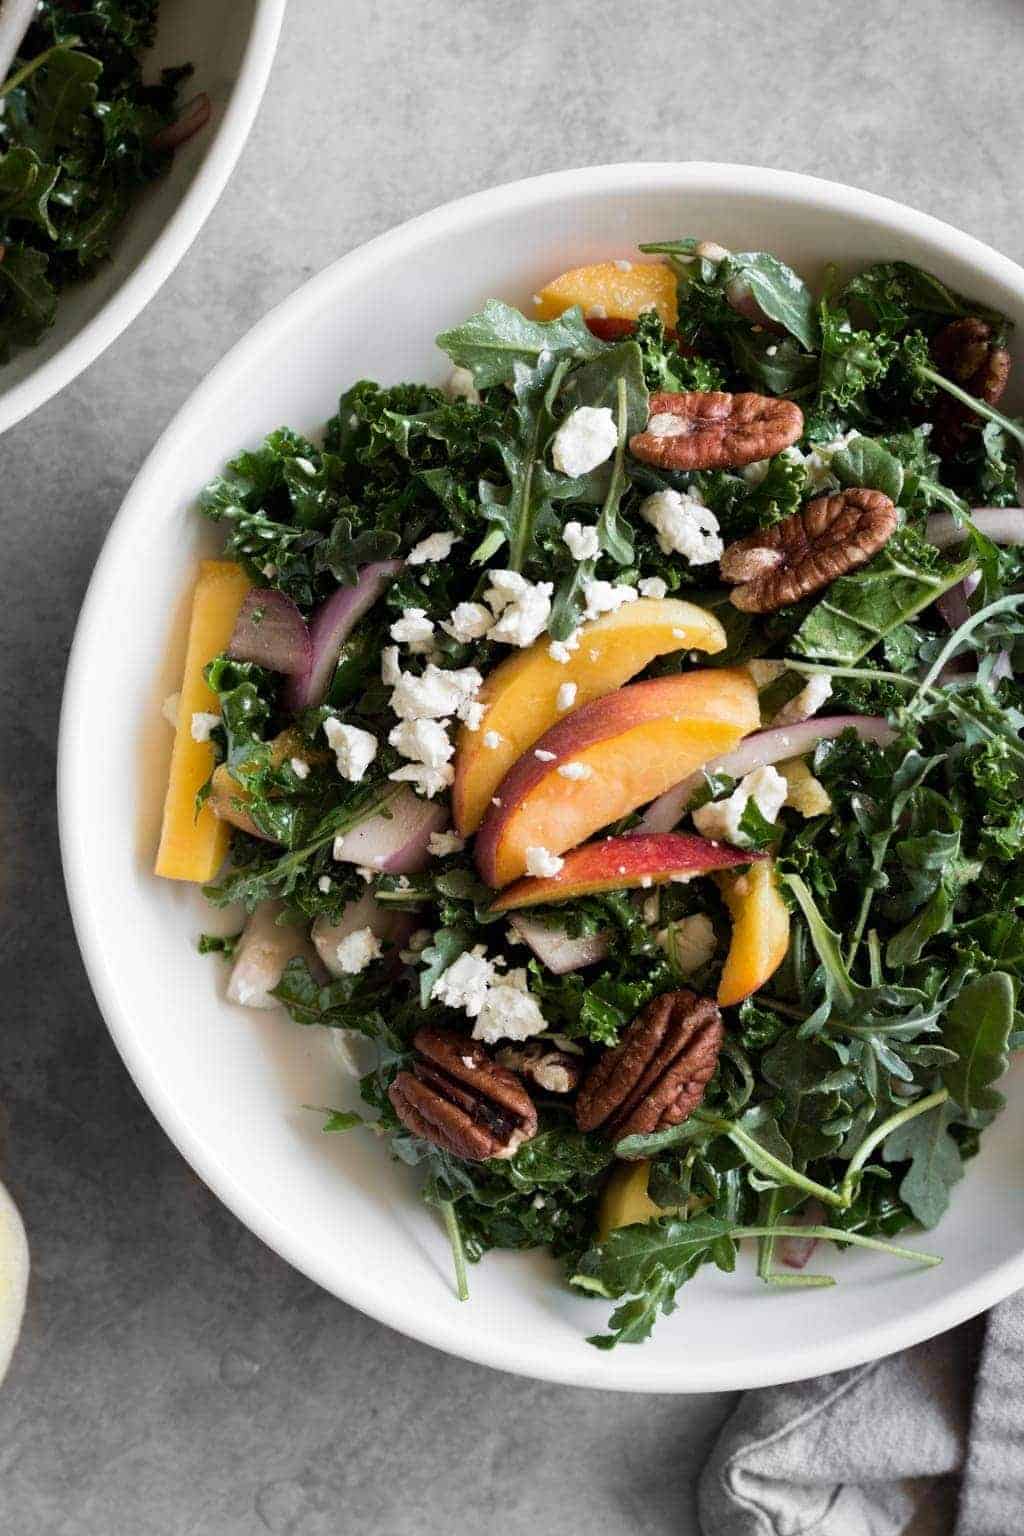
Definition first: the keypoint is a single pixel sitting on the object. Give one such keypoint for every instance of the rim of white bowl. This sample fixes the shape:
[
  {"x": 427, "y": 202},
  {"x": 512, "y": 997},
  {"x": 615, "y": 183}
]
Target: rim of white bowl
[
  {"x": 496, "y": 1350},
  {"x": 177, "y": 235}
]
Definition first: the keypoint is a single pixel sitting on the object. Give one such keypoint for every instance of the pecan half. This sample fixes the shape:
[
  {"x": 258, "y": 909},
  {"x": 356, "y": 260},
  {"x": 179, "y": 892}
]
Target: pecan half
[
  {"x": 965, "y": 352},
  {"x": 657, "y": 1074},
  {"x": 807, "y": 551},
  {"x": 543, "y": 1065},
  {"x": 459, "y": 1099},
  {"x": 715, "y": 430}
]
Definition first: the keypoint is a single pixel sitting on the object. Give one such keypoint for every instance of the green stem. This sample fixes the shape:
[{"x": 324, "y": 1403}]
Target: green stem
[
  {"x": 766, "y": 1246},
  {"x": 451, "y": 1226},
  {"x": 957, "y": 638},
  {"x": 870, "y": 1142},
  {"x": 808, "y": 1282},
  {"x": 837, "y": 1235},
  {"x": 21, "y": 75},
  {"x": 979, "y": 407},
  {"x": 784, "y": 1172}
]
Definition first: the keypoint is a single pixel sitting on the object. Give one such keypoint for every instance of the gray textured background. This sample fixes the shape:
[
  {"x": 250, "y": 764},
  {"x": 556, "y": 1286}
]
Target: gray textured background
[{"x": 174, "y": 1375}]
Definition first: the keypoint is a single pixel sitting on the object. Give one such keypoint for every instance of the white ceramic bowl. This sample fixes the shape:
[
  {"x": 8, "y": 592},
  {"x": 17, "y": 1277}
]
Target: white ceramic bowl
[
  {"x": 227, "y": 1084},
  {"x": 232, "y": 48}
]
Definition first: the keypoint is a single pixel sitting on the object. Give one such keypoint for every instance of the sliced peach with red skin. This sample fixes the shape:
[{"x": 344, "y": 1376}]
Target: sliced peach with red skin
[
  {"x": 521, "y": 694},
  {"x": 628, "y": 748},
  {"x": 760, "y": 931},
  {"x": 619, "y": 292},
  {"x": 619, "y": 863}
]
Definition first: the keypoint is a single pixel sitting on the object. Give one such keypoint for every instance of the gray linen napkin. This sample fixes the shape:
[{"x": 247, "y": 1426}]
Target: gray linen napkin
[{"x": 925, "y": 1443}]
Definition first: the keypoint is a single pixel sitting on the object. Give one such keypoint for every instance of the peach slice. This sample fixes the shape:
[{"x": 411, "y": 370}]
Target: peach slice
[
  {"x": 625, "y": 749},
  {"x": 521, "y": 694},
  {"x": 760, "y": 933},
  {"x": 618, "y": 863},
  {"x": 619, "y": 291},
  {"x": 625, "y": 1201}
]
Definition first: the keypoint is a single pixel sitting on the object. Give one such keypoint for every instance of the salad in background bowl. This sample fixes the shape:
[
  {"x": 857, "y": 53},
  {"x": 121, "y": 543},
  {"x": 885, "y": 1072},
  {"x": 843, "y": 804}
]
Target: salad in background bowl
[{"x": 624, "y": 740}]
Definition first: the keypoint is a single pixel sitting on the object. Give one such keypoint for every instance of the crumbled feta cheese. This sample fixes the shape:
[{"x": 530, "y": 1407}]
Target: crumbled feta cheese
[
  {"x": 493, "y": 740},
  {"x": 299, "y": 767},
  {"x": 770, "y": 351},
  {"x": 437, "y": 546},
  {"x": 817, "y": 461},
  {"x": 690, "y": 942},
  {"x": 606, "y": 597},
  {"x": 595, "y": 312},
  {"x": 583, "y": 543},
  {"x": 464, "y": 984},
  {"x": 423, "y": 741},
  {"x": 509, "y": 1012},
  {"x": 522, "y": 608},
  {"x": 356, "y": 950},
  {"x": 169, "y": 708},
  {"x": 414, "y": 629},
  {"x": 390, "y": 671},
  {"x": 473, "y": 714},
  {"x": 202, "y": 724},
  {"x": 807, "y": 702},
  {"x": 544, "y": 757},
  {"x": 441, "y": 844},
  {"x": 754, "y": 473},
  {"x": 575, "y": 771},
  {"x": 542, "y": 863},
  {"x": 436, "y": 693},
  {"x": 429, "y": 781},
  {"x": 720, "y": 820},
  {"x": 324, "y": 884},
  {"x": 536, "y": 300},
  {"x": 684, "y": 525},
  {"x": 566, "y": 697},
  {"x": 624, "y": 266},
  {"x": 462, "y": 386},
  {"x": 586, "y": 438},
  {"x": 469, "y": 621},
  {"x": 561, "y": 650},
  {"x": 354, "y": 749},
  {"x": 652, "y": 586}
]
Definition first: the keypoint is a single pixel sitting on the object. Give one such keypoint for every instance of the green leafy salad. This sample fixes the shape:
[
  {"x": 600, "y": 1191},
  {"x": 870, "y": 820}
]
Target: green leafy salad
[
  {"x": 620, "y": 751},
  {"x": 80, "y": 135}
]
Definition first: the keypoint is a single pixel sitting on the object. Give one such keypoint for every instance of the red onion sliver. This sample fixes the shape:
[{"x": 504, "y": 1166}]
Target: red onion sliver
[
  {"x": 1003, "y": 525},
  {"x": 271, "y": 631},
  {"x": 794, "y": 1252},
  {"x": 330, "y": 627},
  {"x": 393, "y": 927},
  {"x": 763, "y": 747},
  {"x": 395, "y": 843},
  {"x": 953, "y": 605},
  {"x": 554, "y": 947},
  {"x": 195, "y": 114}
]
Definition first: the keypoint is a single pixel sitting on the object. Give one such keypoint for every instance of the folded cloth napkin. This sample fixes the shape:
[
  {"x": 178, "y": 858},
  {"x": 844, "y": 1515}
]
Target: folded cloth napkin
[{"x": 926, "y": 1443}]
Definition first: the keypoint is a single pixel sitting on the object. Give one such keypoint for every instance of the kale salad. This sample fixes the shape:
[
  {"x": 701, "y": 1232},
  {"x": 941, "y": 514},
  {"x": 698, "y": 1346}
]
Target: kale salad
[
  {"x": 621, "y": 747},
  {"x": 81, "y": 134}
]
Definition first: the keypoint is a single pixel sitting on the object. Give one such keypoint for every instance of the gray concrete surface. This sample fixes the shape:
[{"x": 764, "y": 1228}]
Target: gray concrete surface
[{"x": 175, "y": 1376}]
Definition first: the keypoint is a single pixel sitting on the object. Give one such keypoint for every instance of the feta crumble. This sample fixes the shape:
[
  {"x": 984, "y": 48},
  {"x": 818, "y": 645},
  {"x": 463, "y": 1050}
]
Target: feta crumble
[
  {"x": 509, "y": 1011},
  {"x": 575, "y": 771},
  {"x": 354, "y": 749},
  {"x": 202, "y": 724},
  {"x": 462, "y": 386},
  {"x": 423, "y": 741},
  {"x": 720, "y": 820},
  {"x": 464, "y": 984},
  {"x": 493, "y": 740},
  {"x": 652, "y": 586},
  {"x": 469, "y": 621},
  {"x": 324, "y": 884},
  {"x": 684, "y": 525},
  {"x": 357, "y": 950},
  {"x": 583, "y": 543},
  {"x": 415, "y": 630},
  {"x": 623, "y": 266},
  {"x": 429, "y": 781},
  {"x": 521, "y": 608},
  {"x": 442, "y": 844},
  {"x": 542, "y": 863},
  {"x": 436, "y": 693},
  {"x": 586, "y": 438},
  {"x": 437, "y": 546},
  {"x": 561, "y": 650},
  {"x": 606, "y": 597},
  {"x": 566, "y": 697},
  {"x": 544, "y": 757},
  {"x": 299, "y": 767},
  {"x": 390, "y": 671},
  {"x": 807, "y": 702}
]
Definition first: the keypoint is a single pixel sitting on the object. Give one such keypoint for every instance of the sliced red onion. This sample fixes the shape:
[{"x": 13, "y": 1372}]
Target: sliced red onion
[
  {"x": 763, "y": 747},
  {"x": 954, "y": 605},
  {"x": 262, "y": 954},
  {"x": 388, "y": 926},
  {"x": 555, "y": 948},
  {"x": 1003, "y": 525},
  {"x": 330, "y": 627},
  {"x": 271, "y": 631},
  {"x": 195, "y": 114},
  {"x": 794, "y": 1252},
  {"x": 395, "y": 842}
]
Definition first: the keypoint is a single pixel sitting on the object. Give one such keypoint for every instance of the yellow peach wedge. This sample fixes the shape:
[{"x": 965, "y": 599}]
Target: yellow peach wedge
[
  {"x": 625, "y": 1201},
  {"x": 760, "y": 931},
  {"x": 617, "y": 290},
  {"x": 522, "y": 694}
]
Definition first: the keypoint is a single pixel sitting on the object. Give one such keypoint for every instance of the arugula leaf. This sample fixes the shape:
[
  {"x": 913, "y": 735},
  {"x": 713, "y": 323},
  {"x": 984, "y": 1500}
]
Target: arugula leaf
[
  {"x": 782, "y": 295},
  {"x": 977, "y": 1026},
  {"x": 492, "y": 342},
  {"x": 601, "y": 383},
  {"x": 779, "y": 366},
  {"x": 861, "y": 608},
  {"x": 934, "y": 1159},
  {"x": 865, "y": 462}
]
